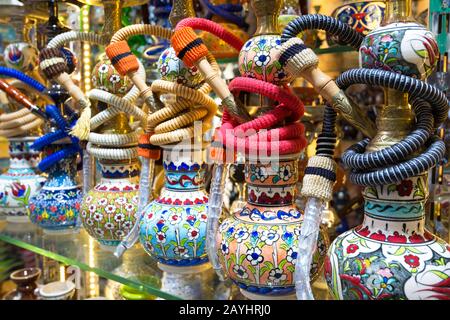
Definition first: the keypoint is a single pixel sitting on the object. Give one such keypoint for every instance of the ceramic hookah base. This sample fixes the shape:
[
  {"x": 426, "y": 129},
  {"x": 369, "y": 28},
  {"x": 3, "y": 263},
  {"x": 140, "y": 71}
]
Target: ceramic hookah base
[{"x": 185, "y": 282}]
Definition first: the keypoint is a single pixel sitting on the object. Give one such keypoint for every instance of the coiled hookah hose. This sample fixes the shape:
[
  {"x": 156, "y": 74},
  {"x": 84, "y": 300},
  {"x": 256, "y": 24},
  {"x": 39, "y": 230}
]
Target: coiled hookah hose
[
  {"x": 61, "y": 134},
  {"x": 226, "y": 11},
  {"x": 54, "y": 65},
  {"x": 51, "y": 112},
  {"x": 190, "y": 48},
  {"x": 26, "y": 119},
  {"x": 368, "y": 169},
  {"x": 125, "y": 63}
]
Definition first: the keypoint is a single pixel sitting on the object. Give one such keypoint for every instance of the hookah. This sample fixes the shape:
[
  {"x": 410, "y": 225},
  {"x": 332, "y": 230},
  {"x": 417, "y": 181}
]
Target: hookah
[
  {"x": 21, "y": 180},
  {"x": 55, "y": 208},
  {"x": 187, "y": 253},
  {"x": 115, "y": 146},
  {"x": 119, "y": 53},
  {"x": 255, "y": 245},
  {"x": 391, "y": 255}
]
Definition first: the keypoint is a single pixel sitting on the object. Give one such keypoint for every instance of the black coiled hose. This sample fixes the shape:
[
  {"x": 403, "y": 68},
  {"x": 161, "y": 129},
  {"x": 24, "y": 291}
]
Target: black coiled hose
[
  {"x": 344, "y": 32},
  {"x": 430, "y": 106},
  {"x": 326, "y": 141}
]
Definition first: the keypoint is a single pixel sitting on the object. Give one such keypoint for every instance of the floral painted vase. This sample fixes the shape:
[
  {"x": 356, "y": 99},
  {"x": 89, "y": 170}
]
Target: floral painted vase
[
  {"x": 108, "y": 210},
  {"x": 257, "y": 246},
  {"x": 173, "y": 226},
  {"x": 259, "y": 59},
  {"x": 172, "y": 69},
  {"x": 407, "y": 48},
  {"x": 20, "y": 181},
  {"x": 391, "y": 255},
  {"x": 105, "y": 77},
  {"x": 56, "y": 207}
]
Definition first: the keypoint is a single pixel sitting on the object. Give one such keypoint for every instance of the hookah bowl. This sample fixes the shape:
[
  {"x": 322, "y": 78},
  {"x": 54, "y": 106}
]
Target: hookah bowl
[
  {"x": 173, "y": 226},
  {"x": 391, "y": 255},
  {"x": 21, "y": 181}
]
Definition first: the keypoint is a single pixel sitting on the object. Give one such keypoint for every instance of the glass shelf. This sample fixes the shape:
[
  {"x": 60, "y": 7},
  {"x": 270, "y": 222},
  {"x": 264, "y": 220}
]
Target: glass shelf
[{"x": 134, "y": 269}]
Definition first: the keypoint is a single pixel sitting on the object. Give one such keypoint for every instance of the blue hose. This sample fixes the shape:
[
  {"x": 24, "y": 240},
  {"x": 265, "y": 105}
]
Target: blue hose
[
  {"x": 13, "y": 73},
  {"x": 62, "y": 132},
  {"x": 225, "y": 11}
]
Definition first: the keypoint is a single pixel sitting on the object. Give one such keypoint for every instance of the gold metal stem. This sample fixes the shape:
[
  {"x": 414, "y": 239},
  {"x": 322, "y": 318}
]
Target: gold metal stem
[
  {"x": 398, "y": 11},
  {"x": 394, "y": 120},
  {"x": 113, "y": 9},
  {"x": 266, "y": 12},
  {"x": 181, "y": 9}
]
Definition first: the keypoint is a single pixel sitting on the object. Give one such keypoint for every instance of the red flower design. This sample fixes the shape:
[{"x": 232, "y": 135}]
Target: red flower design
[
  {"x": 412, "y": 260},
  {"x": 364, "y": 231},
  {"x": 252, "y": 196},
  {"x": 177, "y": 202},
  {"x": 397, "y": 238},
  {"x": 53, "y": 208},
  {"x": 352, "y": 248},
  {"x": 404, "y": 189},
  {"x": 187, "y": 202},
  {"x": 416, "y": 238},
  {"x": 378, "y": 236},
  {"x": 77, "y": 206}
]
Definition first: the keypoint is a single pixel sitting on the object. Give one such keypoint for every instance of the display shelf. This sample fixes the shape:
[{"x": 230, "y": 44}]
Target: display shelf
[
  {"x": 78, "y": 249},
  {"x": 135, "y": 268}
]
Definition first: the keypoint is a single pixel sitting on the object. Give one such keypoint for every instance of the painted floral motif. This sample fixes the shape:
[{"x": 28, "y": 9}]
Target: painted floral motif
[
  {"x": 173, "y": 226},
  {"x": 174, "y": 70},
  {"x": 259, "y": 59},
  {"x": 257, "y": 245},
  {"x": 105, "y": 77},
  {"x": 57, "y": 205},
  {"x": 378, "y": 271},
  {"x": 20, "y": 182},
  {"x": 363, "y": 16},
  {"x": 108, "y": 214},
  {"x": 406, "y": 48},
  {"x": 21, "y": 56}
]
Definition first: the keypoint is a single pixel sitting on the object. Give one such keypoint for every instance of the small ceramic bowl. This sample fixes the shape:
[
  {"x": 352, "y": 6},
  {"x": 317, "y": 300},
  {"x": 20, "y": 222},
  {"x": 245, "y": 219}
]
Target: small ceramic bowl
[{"x": 59, "y": 290}]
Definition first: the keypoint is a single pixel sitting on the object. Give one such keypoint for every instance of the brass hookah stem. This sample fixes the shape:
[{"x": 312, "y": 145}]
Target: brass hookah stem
[
  {"x": 398, "y": 11},
  {"x": 113, "y": 10},
  {"x": 267, "y": 12},
  {"x": 395, "y": 117},
  {"x": 181, "y": 9}
]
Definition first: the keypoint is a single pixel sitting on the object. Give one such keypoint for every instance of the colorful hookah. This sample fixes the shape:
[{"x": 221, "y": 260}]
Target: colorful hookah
[
  {"x": 256, "y": 246},
  {"x": 55, "y": 208},
  {"x": 391, "y": 255},
  {"x": 21, "y": 181},
  {"x": 21, "y": 127},
  {"x": 162, "y": 132}
]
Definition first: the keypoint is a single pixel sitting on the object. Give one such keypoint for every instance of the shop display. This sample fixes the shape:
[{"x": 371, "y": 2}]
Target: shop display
[{"x": 225, "y": 149}]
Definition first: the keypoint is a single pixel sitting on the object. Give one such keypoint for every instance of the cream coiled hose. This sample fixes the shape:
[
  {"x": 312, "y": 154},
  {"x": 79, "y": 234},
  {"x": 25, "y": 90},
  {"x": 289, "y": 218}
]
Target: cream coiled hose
[
  {"x": 22, "y": 121},
  {"x": 173, "y": 123},
  {"x": 113, "y": 146}
]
